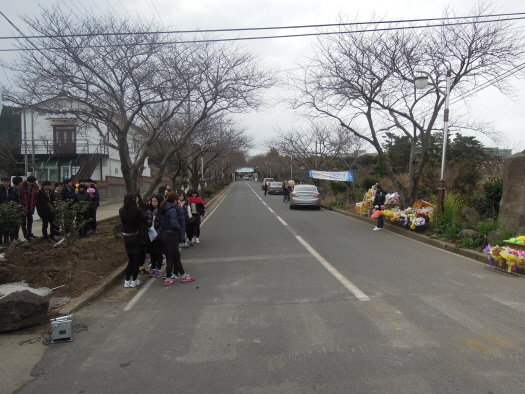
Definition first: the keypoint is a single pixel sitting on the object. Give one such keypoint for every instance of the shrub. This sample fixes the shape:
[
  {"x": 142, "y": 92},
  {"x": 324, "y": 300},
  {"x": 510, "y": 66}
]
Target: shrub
[
  {"x": 69, "y": 218},
  {"x": 493, "y": 190},
  {"x": 486, "y": 226},
  {"x": 368, "y": 181},
  {"x": 338, "y": 187},
  {"x": 10, "y": 213},
  {"x": 504, "y": 233},
  {"x": 487, "y": 202},
  {"x": 448, "y": 224},
  {"x": 208, "y": 193},
  {"x": 333, "y": 204},
  {"x": 470, "y": 242}
]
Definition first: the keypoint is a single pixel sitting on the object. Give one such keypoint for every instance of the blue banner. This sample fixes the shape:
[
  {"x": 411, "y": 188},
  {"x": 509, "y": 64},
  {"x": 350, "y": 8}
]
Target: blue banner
[{"x": 346, "y": 176}]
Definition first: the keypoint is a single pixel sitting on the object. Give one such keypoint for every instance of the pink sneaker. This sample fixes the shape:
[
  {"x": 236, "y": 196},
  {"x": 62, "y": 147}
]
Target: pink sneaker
[
  {"x": 186, "y": 278},
  {"x": 168, "y": 282},
  {"x": 152, "y": 273}
]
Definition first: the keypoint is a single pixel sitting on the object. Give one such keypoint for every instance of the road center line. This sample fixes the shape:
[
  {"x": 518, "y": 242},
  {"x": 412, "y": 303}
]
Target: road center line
[
  {"x": 282, "y": 221},
  {"x": 340, "y": 277}
]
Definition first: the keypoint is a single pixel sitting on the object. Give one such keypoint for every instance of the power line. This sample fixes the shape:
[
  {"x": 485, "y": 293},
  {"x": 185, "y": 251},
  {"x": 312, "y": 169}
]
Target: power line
[
  {"x": 251, "y": 38},
  {"x": 490, "y": 82},
  {"x": 282, "y": 27}
]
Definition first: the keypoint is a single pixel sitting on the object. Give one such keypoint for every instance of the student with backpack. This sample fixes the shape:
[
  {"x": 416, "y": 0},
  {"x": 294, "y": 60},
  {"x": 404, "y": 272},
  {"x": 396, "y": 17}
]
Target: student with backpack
[{"x": 169, "y": 232}]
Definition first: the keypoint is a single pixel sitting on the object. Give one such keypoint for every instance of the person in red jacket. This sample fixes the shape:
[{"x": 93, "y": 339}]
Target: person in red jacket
[
  {"x": 28, "y": 200},
  {"x": 198, "y": 210}
]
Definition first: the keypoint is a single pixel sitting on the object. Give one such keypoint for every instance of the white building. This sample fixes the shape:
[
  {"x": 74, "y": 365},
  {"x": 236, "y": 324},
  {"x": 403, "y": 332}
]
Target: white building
[{"x": 62, "y": 146}]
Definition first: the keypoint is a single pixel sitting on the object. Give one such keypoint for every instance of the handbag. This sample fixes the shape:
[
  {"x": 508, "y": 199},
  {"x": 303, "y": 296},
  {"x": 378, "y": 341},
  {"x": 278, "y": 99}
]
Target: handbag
[{"x": 190, "y": 219}]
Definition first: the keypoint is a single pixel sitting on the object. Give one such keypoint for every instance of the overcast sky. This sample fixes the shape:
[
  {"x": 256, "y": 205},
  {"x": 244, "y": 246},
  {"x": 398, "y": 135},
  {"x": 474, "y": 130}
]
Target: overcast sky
[{"x": 490, "y": 105}]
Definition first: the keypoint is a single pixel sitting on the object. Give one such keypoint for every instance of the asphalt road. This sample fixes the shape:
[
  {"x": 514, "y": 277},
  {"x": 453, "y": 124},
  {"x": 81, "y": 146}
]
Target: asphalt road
[{"x": 299, "y": 302}]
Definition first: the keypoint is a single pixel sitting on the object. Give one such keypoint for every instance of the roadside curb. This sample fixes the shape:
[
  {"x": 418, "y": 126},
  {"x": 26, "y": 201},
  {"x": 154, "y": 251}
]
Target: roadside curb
[
  {"x": 93, "y": 293},
  {"x": 90, "y": 295},
  {"x": 478, "y": 256}
]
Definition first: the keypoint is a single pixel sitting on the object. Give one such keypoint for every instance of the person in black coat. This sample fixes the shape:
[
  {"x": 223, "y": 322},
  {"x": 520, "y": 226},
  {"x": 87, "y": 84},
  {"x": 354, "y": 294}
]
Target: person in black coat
[
  {"x": 5, "y": 197},
  {"x": 379, "y": 200},
  {"x": 131, "y": 216},
  {"x": 169, "y": 231},
  {"x": 286, "y": 193},
  {"x": 68, "y": 193},
  {"x": 44, "y": 203},
  {"x": 5, "y": 190},
  {"x": 95, "y": 203},
  {"x": 156, "y": 248}
]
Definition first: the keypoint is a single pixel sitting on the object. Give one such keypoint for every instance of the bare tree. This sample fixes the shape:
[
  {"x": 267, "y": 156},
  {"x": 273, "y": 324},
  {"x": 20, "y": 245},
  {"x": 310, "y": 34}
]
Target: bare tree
[
  {"x": 365, "y": 81},
  {"x": 220, "y": 141},
  {"x": 317, "y": 146},
  {"x": 212, "y": 138},
  {"x": 118, "y": 74}
]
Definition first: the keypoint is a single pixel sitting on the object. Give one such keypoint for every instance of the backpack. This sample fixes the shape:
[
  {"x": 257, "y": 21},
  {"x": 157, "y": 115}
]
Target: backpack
[{"x": 194, "y": 208}]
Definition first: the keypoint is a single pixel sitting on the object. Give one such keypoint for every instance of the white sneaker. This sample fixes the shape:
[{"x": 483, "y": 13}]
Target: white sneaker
[
  {"x": 376, "y": 228},
  {"x": 134, "y": 283},
  {"x": 127, "y": 283},
  {"x": 197, "y": 241},
  {"x": 193, "y": 239}
]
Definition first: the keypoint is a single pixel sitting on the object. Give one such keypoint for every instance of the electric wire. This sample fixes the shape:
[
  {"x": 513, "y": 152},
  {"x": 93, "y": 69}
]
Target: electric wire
[
  {"x": 489, "y": 83},
  {"x": 252, "y": 38},
  {"x": 279, "y": 27},
  {"x": 46, "y": 336}
]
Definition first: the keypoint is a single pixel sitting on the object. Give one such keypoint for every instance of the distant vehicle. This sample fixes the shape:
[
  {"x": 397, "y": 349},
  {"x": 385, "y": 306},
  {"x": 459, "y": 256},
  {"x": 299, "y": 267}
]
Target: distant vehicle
[
  {"x": 275, "y": 188},
  {"x": 305, "y": 195},
  {"x": 267, "y": 180},
  {"x": 246, "y": 177}
]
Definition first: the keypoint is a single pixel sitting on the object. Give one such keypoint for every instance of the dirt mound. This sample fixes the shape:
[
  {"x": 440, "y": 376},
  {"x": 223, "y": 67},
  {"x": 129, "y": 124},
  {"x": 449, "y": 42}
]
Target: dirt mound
[{"x": 78, "y": 267}]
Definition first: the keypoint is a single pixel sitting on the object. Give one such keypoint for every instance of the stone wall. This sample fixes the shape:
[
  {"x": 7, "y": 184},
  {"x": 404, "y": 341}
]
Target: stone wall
[{"x": 512, "y": 205}]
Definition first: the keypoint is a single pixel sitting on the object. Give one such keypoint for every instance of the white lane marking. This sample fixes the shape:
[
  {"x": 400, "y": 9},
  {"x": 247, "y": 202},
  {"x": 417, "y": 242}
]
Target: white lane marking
[
  {"x": 340, "y": 277},
  {"x": 282, "y": 221},
  {"x": 139, "y": 294}
]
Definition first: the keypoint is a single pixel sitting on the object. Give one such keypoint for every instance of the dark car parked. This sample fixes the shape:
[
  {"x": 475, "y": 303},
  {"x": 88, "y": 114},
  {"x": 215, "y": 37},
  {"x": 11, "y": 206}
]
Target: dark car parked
[{"x": 275, "y": 188}]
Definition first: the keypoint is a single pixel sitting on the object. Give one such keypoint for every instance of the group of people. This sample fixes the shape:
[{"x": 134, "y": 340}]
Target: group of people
[
  {"x": 30, "y": 196},
  {"x": 175, "y": 218}
]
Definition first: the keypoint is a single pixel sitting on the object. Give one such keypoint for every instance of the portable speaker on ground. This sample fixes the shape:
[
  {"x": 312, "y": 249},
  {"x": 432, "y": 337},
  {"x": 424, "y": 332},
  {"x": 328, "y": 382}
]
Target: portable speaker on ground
[{"x": 62, "y": 329}]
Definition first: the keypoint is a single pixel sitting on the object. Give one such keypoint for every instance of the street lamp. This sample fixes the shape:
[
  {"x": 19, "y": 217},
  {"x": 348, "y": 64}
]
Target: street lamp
[{"x": 421, "y": 82}]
